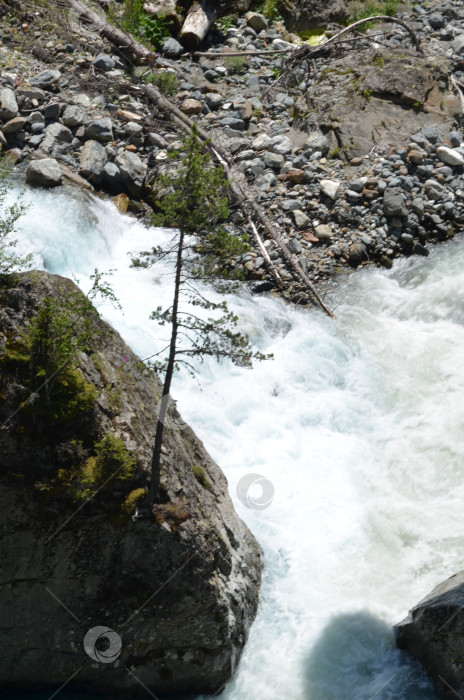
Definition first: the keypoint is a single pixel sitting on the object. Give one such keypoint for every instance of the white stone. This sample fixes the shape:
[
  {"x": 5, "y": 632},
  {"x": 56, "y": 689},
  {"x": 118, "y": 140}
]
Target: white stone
[
  {"x": 323, "y": 231},
  {"x": 300, "y": 218},
  {"x": 330, "y": 188},
  {"x": 281, "y": 144},
  {"x": 261, "y": 142},
  {"x": 450, "y": 156}
]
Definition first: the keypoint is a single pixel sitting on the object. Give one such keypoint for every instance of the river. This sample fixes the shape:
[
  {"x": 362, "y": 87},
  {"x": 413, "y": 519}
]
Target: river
[{"x": 359, "y": 425}]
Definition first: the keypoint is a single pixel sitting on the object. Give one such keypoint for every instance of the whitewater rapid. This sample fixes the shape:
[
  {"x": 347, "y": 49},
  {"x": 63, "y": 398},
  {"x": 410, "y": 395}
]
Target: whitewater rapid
[{"x": 359, "y": 425}]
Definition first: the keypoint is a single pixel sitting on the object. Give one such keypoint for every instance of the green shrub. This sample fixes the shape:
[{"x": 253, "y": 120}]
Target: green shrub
[
  {"x": 43, "y": 360},
  {"x": 235, "y": 64},
  {"x": 132, "y": 499},
  {"x": 141, "y": 24},
  {"x": 9, "y": 260},
  {"x": 360, "y": 9},
  {"x": 200, "y": 475},
  {"x": 165, "y": 81},
  {"x": 111, "y": 460},
  {"x": 227, "y": 22}
]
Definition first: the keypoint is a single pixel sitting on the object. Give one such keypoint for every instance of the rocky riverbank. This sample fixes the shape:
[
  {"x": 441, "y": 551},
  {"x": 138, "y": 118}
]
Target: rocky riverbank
[{"x": 357, "y": 158}]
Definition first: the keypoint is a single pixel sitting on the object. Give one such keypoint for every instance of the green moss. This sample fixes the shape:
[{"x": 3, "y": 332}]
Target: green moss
[
  {"x": 110, "y": 460},
  {"x": 130, "y": 502},
  {"x": 235, "y": 64}
]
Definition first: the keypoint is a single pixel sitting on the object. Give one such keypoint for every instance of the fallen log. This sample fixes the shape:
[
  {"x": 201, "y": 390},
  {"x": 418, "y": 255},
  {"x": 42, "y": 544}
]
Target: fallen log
[{"x": 200, "y": 17}]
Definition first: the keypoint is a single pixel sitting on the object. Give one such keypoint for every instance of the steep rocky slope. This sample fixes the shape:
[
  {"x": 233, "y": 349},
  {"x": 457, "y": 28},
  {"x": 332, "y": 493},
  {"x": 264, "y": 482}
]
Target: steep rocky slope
[{"x": 179, "y": 590}]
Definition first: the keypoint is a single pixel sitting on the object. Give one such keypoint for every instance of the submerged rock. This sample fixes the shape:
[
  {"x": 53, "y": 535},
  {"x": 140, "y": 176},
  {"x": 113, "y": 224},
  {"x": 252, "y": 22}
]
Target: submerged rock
[
  {"x": 432, "y": 634},
  {"x": 178, "y": 592}
]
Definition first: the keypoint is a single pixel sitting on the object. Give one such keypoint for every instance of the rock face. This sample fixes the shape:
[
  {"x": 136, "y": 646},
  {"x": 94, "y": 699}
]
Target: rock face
[
  {"x": 179, "y": 590},
  {"x": 432, "y": 634}
]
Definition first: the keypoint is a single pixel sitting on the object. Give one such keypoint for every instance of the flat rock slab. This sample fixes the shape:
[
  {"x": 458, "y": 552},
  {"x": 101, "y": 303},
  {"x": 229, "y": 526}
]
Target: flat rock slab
[{"x": 45, "y": 79}]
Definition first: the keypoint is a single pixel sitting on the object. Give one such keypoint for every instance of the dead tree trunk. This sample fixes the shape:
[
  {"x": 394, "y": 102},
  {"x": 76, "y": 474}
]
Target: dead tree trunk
[
  {"x": 200, "y": 17},
  {"x": 122, "y": 41}
]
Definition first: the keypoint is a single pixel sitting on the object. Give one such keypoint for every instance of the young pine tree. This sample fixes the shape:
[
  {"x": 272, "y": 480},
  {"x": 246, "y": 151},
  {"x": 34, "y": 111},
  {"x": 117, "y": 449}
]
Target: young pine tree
[{"x": 195, "y": 203}]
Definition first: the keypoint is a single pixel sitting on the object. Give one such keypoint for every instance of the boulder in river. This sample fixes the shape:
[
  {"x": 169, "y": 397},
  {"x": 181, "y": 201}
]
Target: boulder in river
[
  {"x": 44, "y": 173},
  {"x": 174, "y": 594},
  {"x": 433, "y": 634}
]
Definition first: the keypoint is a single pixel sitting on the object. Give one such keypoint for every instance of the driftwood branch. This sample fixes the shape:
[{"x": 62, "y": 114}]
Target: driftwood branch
[{"x": 304, "y": 52}]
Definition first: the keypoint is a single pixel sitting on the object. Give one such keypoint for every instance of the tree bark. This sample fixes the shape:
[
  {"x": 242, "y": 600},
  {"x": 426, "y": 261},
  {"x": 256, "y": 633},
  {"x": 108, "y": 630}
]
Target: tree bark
[{"x": 154, "y": 488}]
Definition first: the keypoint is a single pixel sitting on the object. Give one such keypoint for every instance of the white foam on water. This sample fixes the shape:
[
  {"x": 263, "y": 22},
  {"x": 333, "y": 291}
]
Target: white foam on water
[{"x": 359, "y": 425}]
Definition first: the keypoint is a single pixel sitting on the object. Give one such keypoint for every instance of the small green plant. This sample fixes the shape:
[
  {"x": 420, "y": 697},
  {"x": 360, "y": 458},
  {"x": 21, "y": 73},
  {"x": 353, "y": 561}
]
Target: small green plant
[
  {"x": 130, "y": 502},
  {"x": 228, "y": 21},
  {"x": 235, "y": 64},
  {"x": 111, "y": 460},
  {"x": 366, "y": 93},
  {"x": 257, "y": 112},
  {"x": 165, "y": 81},
  {"x": 270, "y": 9},
  {"x": 334, "y": 152},
  {"x": 43, "y": 358},
  {"x": 200, "y": 475},
  {"x": 151, "y": 29},
  {"x": 361, "y": 9}
]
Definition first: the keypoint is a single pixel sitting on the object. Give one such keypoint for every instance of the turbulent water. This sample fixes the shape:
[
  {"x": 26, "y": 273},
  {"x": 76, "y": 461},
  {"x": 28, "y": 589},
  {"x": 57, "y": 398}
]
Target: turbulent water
[{"x": 359, "y": 425}]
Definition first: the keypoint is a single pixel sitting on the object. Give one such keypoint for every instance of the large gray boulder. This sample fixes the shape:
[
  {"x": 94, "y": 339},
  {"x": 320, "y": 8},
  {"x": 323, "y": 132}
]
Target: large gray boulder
[
  {"x": 92, "y": 161},
  {"x": 300, "y": 15},
  {"x": 133, "y": 172},
  {"x": 44, "y": 173},
  {"x": 178, "y": 590},
  {"x": 433, "y": 634}
]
